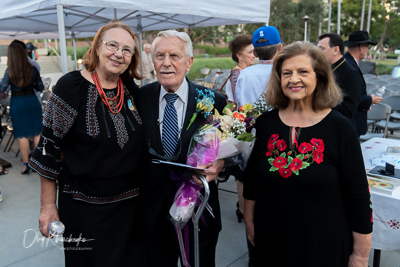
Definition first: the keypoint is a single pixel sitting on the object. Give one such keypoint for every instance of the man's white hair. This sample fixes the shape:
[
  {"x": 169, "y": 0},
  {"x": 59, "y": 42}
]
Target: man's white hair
[
  {"x": 181, "y": 35},
  {"x": 146, "y": 45}
]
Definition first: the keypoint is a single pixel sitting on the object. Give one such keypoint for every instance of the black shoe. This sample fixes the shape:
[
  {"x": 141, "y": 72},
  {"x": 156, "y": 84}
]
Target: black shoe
[
  {"x": 27, "y": 169},
  {"x": 239, "y": 215}
]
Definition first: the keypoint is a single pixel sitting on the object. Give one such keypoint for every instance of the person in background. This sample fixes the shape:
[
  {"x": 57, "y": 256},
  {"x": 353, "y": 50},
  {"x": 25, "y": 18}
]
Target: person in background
[
  {"x": 33, "y": 62},
  {"x": 30, "y": 48},
  {"x": 250, "y": 88},
  {"x": 25, "y": 108},
  {"x": 346, "y": 76},
  {"x": 253, "y": 80},
  {"x": 173, "y": 57},
  {"x": 147, "y": 64},
  {"x": 243, "y": 54},
  {"x": 307, "y": 201},
  {"x": 357, "y": 49},
  {"x": 91, "y": 149}
]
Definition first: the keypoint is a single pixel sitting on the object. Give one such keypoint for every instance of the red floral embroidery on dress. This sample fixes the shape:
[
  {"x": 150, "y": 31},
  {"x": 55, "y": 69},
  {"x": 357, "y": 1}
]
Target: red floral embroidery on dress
[{"x": 291, "y": 162}]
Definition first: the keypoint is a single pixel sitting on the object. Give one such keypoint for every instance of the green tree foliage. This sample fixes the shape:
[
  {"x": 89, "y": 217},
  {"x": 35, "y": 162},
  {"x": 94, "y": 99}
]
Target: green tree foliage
[
  {"x": 287, "y": 16},
  {"x": 384, "y": 25}
]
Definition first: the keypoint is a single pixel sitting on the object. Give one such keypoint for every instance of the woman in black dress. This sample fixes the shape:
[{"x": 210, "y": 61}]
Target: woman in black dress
[
  {"x": 91, "y": 146},
  {"x": 306, "y": 196}
]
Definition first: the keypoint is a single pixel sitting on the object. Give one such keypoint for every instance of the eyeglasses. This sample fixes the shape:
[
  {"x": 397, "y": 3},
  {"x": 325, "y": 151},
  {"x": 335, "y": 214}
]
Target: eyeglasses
[
  {"x": 114, "y": 46},
  {"x": 172, "y": 57}
]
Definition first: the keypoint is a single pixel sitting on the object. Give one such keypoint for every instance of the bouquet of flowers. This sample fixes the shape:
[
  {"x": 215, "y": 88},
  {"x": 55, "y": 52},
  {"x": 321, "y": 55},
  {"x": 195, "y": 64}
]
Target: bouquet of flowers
[{"x": 227, "y": 135}]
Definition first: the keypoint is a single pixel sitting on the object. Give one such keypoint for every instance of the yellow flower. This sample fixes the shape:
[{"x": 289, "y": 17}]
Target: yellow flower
[{"x": 245, "y": 108}]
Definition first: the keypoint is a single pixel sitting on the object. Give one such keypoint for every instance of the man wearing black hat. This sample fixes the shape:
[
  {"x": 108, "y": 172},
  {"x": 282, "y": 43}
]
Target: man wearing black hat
[{"x": 357, "y": 50}]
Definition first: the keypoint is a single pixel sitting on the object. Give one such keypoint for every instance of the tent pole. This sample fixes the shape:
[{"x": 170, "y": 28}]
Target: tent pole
[
  {"x": 74, "y": 46},
  {"x": 63, "y": 43},
  {"x": 139, "y": 27}
]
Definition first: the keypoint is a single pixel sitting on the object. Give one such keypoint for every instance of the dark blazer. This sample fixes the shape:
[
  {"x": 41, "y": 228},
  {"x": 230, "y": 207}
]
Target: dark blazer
[
  {"x": 159, "y": 191},
  {"x": 348, "y": 79},
  {"x": 361, "y": 115}
]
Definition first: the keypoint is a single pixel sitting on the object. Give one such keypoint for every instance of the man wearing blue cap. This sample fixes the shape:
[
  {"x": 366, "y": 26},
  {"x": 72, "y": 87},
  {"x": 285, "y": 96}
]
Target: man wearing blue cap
[{"x": 253, "y": 80}]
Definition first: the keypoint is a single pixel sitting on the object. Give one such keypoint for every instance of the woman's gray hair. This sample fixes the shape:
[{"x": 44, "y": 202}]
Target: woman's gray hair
[{"x": 181, "y": 35}]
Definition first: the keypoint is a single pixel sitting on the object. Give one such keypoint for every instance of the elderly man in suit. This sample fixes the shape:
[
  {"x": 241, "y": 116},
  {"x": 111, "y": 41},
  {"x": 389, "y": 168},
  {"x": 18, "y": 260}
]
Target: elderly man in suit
[
  {"x": 172, "y": 53},
  {"x": 357, "y": 50}
]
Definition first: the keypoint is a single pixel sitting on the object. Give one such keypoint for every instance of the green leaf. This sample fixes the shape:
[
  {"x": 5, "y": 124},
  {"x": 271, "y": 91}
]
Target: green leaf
[
  {"x": 228, "y": 106},
  {"x": 304, "y": 165},
  {"x": 247, "y": 137},
  {"x": 272, "y": 169},
  {"x": 300, "y": 156}
]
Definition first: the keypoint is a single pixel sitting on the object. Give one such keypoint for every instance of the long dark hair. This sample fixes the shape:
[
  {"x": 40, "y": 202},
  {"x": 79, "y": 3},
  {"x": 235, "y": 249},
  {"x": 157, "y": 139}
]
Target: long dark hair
[{"x": 19, "y": 67}]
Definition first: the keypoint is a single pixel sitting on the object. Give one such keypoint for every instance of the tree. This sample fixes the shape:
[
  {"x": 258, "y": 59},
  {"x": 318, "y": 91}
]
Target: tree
[
  {"x": 287, "y": 16},
  {"x": 384, "y": 25}
]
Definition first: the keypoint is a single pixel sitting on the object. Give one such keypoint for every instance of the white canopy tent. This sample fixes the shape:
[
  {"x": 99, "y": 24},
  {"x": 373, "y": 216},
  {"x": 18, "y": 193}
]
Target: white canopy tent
[{"x": 69, "y": 18}]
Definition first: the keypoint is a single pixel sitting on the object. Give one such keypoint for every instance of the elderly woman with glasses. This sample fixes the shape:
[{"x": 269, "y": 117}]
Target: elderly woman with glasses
[{"x": 91, "y": 148}]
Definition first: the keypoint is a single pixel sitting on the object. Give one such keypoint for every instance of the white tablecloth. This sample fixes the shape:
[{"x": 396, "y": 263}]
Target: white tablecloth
[{"x": 386, "y": 209}]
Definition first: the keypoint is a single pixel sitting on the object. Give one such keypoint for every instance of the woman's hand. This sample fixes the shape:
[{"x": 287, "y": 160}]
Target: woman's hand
[
  {"x": 357, "y": 261},
  {"x": 48, "y": 208},
  {"x": 48, "y": 213}
]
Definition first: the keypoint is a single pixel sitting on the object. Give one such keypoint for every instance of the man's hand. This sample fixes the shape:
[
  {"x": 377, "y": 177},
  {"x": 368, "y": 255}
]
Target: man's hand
[
  {"x": 213, "y": 169},
  {"x": 376, "y": 99}
]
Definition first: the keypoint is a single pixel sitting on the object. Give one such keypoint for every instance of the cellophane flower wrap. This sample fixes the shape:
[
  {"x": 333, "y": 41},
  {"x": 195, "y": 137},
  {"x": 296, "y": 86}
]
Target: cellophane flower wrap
[{"x": 229, "y": 136}]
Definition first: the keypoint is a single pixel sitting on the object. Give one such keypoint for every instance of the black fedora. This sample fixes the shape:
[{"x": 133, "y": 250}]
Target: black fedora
[{"x": 357, "y": 38}]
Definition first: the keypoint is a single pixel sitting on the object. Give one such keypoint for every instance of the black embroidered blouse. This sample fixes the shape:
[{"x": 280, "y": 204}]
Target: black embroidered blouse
[{"x": 95, "y": 154}]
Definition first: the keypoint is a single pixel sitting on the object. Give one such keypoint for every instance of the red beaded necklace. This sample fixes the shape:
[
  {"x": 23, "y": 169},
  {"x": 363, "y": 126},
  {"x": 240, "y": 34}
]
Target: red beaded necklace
[{"x": 103, "y": 96}]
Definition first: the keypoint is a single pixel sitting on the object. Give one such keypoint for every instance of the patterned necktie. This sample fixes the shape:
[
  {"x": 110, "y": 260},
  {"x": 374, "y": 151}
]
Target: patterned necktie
[{"x": 170, "y": 126}]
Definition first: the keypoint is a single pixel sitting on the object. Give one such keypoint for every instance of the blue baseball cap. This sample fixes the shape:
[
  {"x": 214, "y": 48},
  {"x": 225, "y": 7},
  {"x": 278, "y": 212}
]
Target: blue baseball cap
[{"x": 266, "y": 35}]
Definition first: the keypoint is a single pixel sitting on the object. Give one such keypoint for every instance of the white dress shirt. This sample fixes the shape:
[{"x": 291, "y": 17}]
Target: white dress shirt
[{"x": 252, "y": 82}]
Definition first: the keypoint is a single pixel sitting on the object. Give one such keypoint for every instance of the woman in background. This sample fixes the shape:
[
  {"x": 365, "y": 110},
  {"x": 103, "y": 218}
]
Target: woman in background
[
  {"x": 25, "y": 108},
  {"x": 242, "y": 53},
  {"x": 306, "y": 194}
]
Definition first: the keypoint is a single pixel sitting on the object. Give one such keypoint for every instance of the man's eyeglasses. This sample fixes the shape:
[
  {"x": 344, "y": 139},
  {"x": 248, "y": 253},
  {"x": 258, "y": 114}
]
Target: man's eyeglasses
[
  {"x": 114, "y": 46},
  {"x": 172, "y": 57}
]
